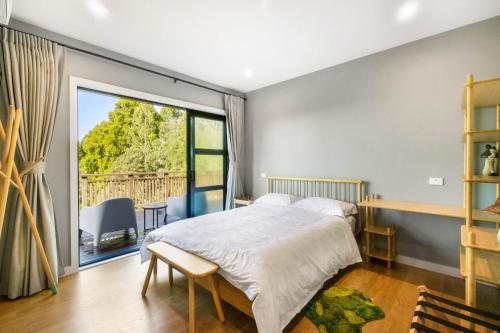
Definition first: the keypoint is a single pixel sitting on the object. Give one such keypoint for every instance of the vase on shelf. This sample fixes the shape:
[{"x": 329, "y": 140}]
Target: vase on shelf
[
  {"x": 489, "y": 167},
  {"x": 490, "y": 156}
]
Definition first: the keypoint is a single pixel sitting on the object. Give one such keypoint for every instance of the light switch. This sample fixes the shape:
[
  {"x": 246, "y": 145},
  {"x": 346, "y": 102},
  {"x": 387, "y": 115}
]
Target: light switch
[
  {"x": 262, "y": 175},
  {"x": 436, "y": 181}
]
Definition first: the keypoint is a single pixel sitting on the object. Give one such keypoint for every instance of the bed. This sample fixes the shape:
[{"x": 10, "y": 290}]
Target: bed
[{"x": 273, "y": 259}]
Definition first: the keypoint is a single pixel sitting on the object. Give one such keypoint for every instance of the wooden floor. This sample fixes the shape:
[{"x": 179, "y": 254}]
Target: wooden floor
[{"x": 108, "y": 299}]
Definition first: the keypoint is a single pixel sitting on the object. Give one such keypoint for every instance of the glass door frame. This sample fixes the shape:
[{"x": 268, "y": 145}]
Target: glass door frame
[{"x": 191, "y": 115}]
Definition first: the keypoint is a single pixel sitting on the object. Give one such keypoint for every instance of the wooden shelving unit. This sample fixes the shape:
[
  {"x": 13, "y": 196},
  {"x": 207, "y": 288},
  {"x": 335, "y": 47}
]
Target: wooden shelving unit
[
  {"x": 480, "y": 252},
  {"x": 372, "y": 230}
]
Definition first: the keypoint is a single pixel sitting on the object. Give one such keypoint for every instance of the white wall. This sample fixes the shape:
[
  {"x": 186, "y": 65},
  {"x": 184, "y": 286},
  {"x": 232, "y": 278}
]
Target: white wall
[{"x": 392, "y": 119}]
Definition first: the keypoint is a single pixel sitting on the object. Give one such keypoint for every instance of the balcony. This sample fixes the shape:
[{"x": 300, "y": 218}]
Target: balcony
[{"x": 142, "y": 188}]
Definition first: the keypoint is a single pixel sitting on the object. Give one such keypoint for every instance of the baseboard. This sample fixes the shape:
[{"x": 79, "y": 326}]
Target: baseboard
[
  {"x": 430, "y": 266},
  {"x": 68, "y": 270}
]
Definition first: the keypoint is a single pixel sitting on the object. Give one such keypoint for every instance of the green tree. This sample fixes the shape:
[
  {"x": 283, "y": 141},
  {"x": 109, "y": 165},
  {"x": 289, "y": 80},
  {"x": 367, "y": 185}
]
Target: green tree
[
  {"x": 136, "y": 138},
  {"x": 172, "y": 139},
  {"x": 143, "y": 134},
  {"x": 108, "y": 140}
]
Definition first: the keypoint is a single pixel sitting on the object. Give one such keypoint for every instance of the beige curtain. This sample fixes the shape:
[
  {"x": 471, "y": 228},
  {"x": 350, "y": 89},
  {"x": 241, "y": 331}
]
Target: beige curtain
[
  {"x": 234, "y": 106},
  {"x": 31, "y": 78}
]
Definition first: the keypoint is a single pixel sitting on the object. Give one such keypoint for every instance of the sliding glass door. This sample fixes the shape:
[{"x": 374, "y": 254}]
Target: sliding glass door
[
  {"x": 207, "y": 162},
  {"x": 162, "y": 162}
]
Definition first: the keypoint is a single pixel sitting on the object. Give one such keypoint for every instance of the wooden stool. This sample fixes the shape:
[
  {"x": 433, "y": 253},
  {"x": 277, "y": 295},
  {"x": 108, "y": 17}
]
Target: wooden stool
[{"x": 192, "y": 266}]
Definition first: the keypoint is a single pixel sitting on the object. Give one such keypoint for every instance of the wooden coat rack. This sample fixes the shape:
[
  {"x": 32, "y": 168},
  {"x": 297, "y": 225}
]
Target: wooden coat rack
[{"x": 11, "y": 176}]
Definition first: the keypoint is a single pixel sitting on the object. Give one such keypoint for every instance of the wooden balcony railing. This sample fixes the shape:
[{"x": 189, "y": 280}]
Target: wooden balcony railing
[{"x": 141, "y": 187}]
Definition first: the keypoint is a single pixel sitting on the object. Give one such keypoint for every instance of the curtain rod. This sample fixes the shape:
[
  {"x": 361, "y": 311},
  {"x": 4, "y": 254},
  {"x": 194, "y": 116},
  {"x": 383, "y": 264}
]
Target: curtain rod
[{"x": 121, "y": 62}]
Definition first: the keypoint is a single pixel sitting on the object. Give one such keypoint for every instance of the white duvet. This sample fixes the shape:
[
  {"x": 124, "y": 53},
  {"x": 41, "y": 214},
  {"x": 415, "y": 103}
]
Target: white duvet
[{"x": 278, "y": 256}]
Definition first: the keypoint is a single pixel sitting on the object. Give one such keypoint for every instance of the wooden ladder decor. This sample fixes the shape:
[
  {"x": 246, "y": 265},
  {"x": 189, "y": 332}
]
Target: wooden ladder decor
[{"x": 11, "y": 176}]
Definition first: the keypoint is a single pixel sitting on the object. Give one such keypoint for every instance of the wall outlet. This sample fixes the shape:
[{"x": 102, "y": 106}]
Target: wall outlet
[
  {"x": 262, "y": 175},
  {"x": 436, "y": 181}
]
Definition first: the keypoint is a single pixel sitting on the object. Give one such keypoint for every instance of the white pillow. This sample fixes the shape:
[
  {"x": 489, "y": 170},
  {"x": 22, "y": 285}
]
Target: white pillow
[
  {"x": 327, "y": 206},
  {"x": 278, "y": 199}
]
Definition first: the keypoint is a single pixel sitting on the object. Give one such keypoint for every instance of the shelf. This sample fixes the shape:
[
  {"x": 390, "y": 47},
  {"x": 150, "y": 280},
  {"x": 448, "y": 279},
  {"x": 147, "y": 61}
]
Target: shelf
[
  {"x": 480, "y": 251},
  {"x": 486, "y": 93},
  {"x": 482, "y": 238},
  {"x": 431, "y": 209},
  {"x": 487, "y": 265},
  {"x": 482, "y": 179},
  {"x": 384, "y": 231},
  {"x": 486, "y": 254},
  {"x": 481, "y": 215},
  {"x": 244, "y": 201},
  {"x": 379, "y": 254},
  {"x": 484, "y": 136}
]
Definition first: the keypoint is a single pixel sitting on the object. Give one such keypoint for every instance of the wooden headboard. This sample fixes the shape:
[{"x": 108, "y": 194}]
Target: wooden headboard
[{"x": 348, "y": 190}]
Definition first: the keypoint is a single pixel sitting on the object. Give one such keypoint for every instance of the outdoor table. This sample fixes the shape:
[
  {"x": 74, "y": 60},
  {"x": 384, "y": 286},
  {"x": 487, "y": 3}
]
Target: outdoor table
[{"x": 155, "y": 210}]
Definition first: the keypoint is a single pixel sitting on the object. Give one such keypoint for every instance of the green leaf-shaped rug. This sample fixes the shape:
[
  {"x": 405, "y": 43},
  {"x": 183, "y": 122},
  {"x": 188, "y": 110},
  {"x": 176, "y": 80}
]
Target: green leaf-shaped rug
[{"x": 342, "y": 310}]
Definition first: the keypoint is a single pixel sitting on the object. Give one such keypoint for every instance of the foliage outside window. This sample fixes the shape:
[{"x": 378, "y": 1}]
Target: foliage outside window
[{"x": 136, "y": 137}]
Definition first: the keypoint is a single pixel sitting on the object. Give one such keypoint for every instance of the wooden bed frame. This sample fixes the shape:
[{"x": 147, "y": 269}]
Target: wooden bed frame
[{"x": 348, "y": 190}]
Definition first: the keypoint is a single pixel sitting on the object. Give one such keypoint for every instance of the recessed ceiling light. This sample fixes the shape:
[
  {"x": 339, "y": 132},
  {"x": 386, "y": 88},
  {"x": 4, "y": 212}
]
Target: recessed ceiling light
[
  {"x": 407, "y": 11},
  {"x": 248, "y": 72},
  {"x": 97, "y": 8}
]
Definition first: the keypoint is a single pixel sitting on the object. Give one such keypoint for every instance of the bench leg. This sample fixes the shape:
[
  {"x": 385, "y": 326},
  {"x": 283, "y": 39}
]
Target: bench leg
[
  {"x": 170, "y": 275},
  {"x": 215, "y": 295},
  {"x": 155, "y": 267},
  {"x": 152, "y": 264},
  {"x": 192, "y": 306}
]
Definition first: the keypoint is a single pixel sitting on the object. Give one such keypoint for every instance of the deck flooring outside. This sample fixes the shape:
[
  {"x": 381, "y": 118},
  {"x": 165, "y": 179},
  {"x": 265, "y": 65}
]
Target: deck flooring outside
[{"x": 116, "y": 243}]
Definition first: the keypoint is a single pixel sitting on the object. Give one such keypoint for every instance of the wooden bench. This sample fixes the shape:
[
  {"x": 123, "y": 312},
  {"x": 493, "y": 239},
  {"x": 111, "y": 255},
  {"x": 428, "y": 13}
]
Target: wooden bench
[{"x": 192, "y": 266}]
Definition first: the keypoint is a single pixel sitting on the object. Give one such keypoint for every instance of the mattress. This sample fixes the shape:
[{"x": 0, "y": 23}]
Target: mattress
[{"x": 279, "y": 256}]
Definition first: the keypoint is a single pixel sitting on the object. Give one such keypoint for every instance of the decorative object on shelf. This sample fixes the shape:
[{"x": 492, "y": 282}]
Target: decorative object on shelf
[
  {"x": 495, "y": 207},
  {"x": 341, "y": 309},
  {"x": 490, "y": 163}
]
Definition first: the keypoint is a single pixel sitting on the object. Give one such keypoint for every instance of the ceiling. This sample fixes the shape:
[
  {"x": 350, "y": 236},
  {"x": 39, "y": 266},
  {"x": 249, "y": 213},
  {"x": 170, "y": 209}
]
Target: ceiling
[{"x": 249, "y": 44}]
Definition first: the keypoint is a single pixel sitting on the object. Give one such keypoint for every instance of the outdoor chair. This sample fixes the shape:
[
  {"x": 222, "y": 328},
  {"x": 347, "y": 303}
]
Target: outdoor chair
[
  {"x": 177, "y": 208},
  {"x": 108, "y": 216}
]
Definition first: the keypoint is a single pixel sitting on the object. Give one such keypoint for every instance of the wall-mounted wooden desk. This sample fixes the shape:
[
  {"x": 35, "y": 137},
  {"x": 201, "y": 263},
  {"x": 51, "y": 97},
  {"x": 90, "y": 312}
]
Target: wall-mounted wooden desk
[
  {"x": 484, "y": 240},
  {"x": 432, "y": 209}
]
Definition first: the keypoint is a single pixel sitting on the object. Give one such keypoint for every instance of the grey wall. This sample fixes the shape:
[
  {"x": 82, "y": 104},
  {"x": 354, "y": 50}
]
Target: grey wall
[
  {"x": 89, "y": 67},
  {"x": 392, "y": 119}
]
